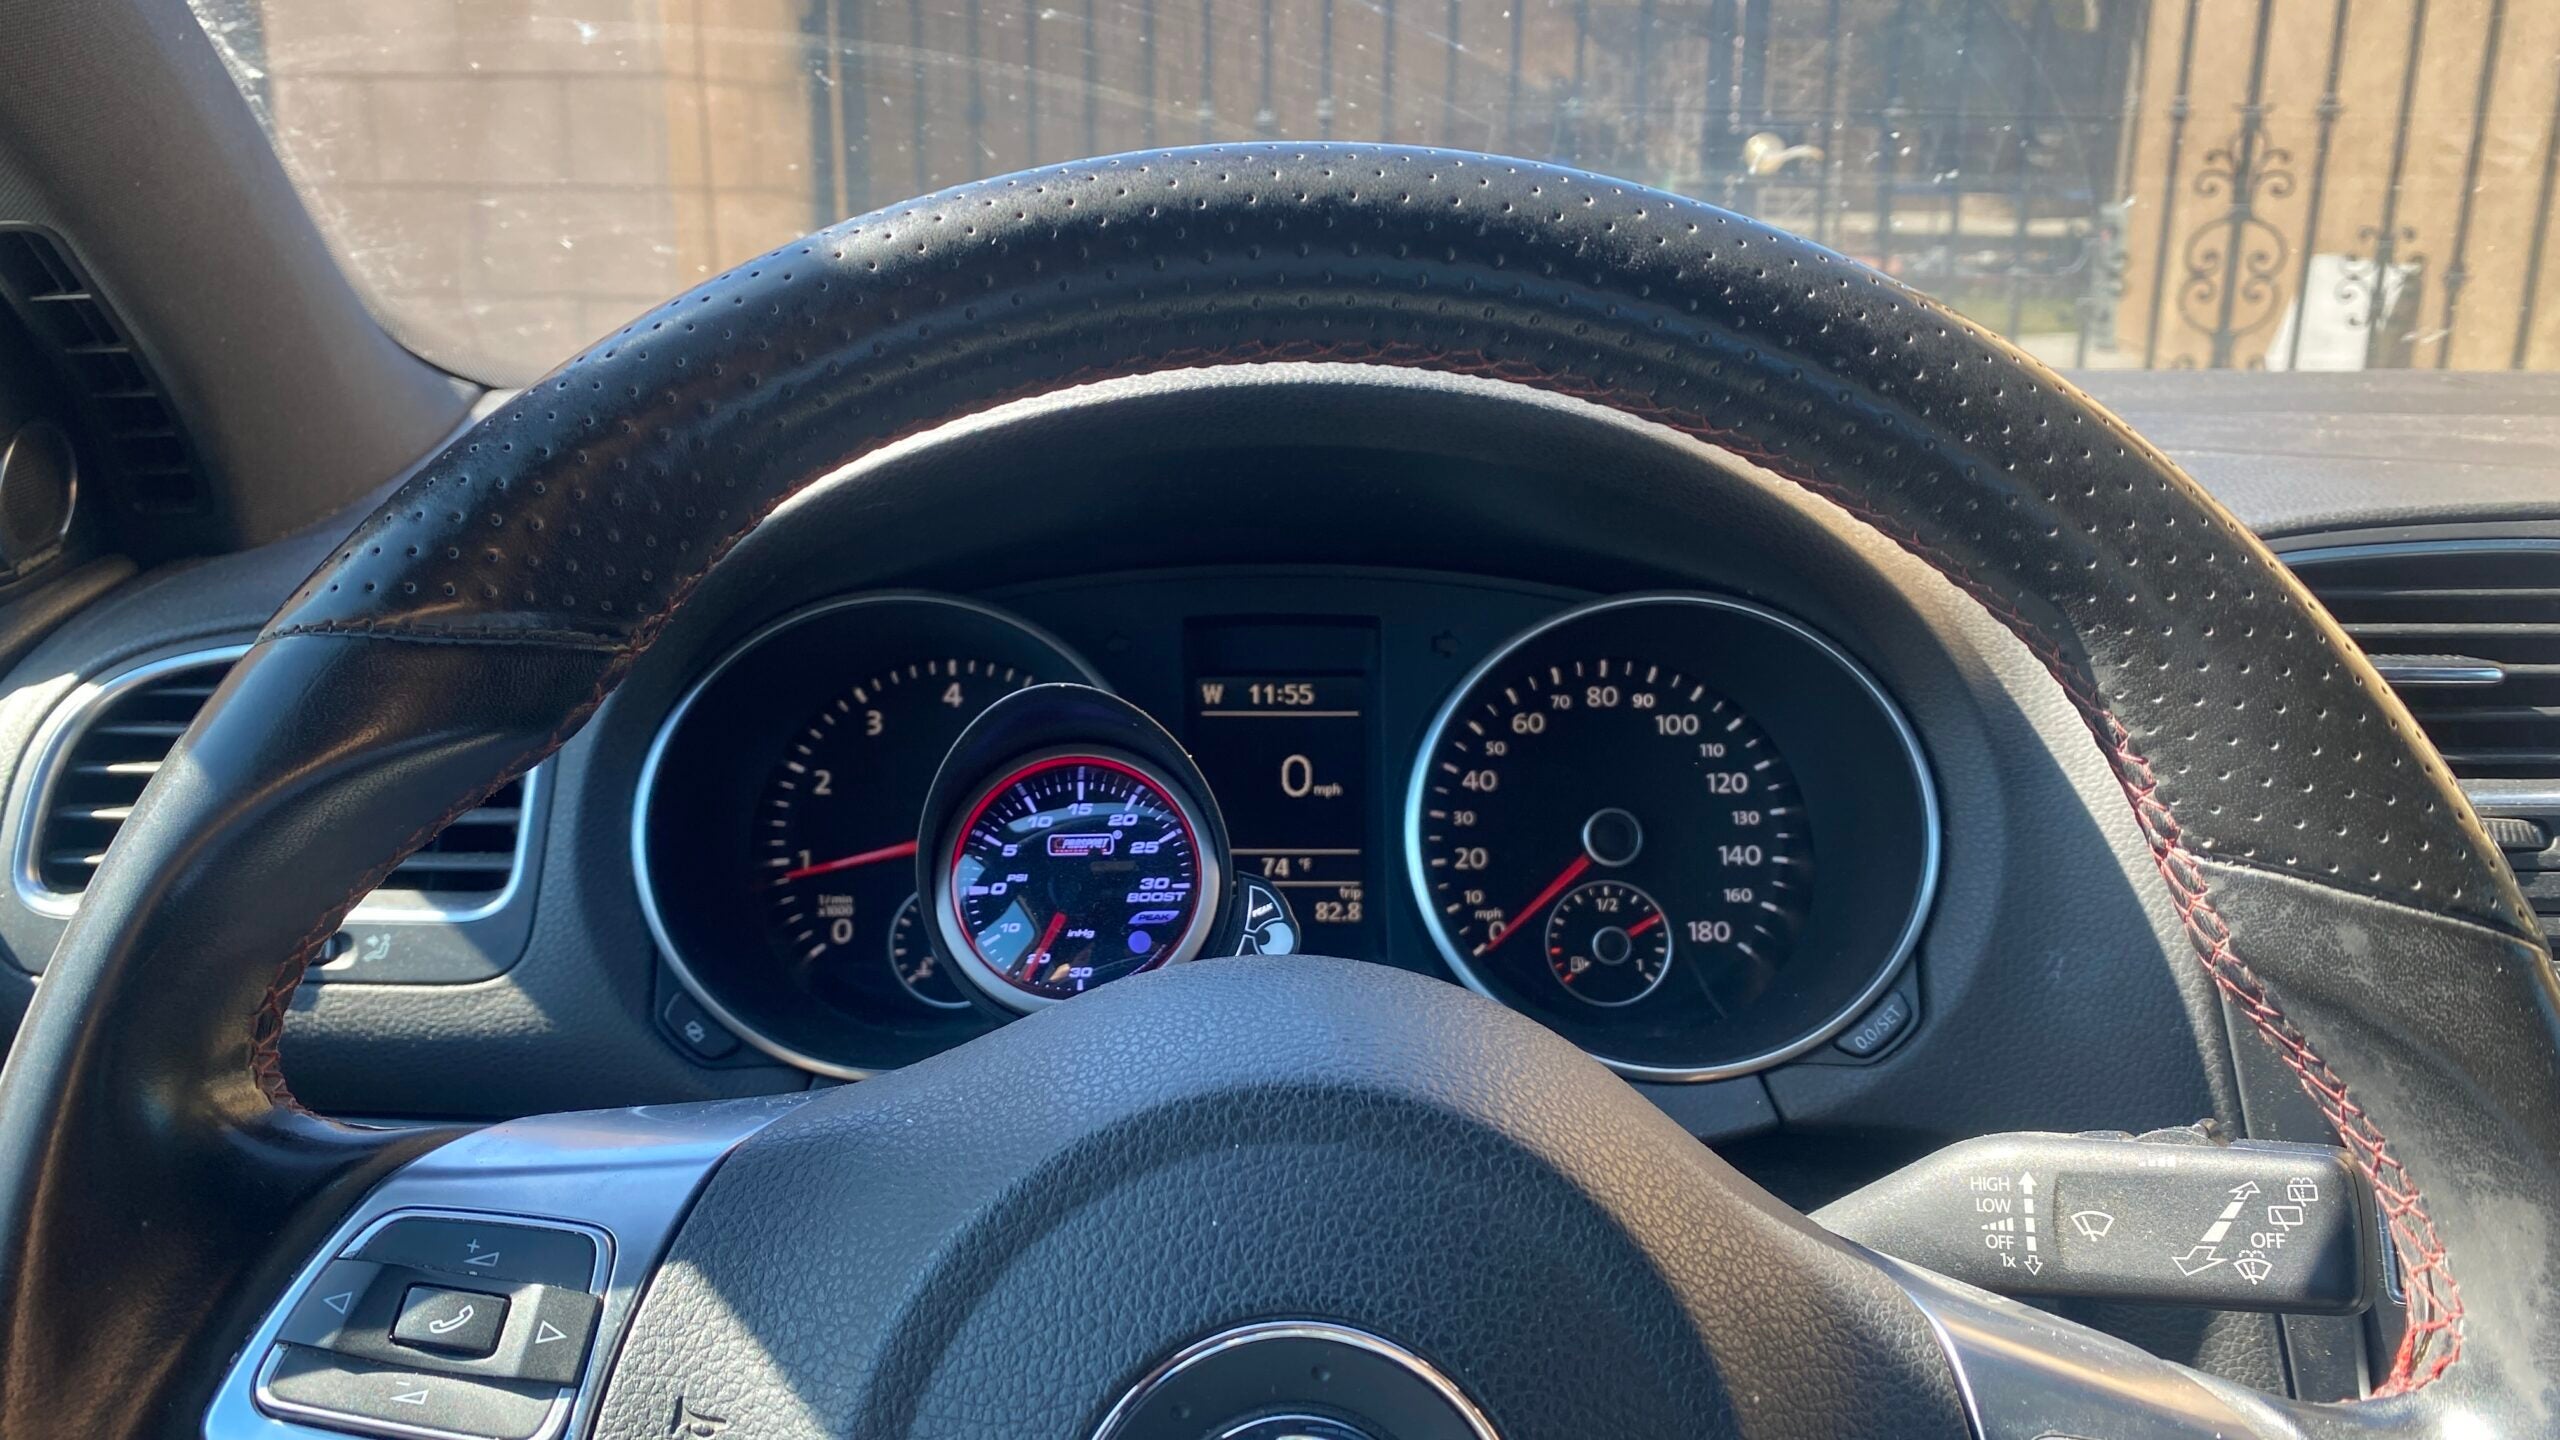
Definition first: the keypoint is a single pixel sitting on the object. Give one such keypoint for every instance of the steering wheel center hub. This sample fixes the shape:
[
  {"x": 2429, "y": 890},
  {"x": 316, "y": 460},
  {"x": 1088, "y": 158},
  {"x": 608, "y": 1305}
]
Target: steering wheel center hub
[
  {"x": 1295, "y": 1380},
  {"x": 1122, "y": 1218}
]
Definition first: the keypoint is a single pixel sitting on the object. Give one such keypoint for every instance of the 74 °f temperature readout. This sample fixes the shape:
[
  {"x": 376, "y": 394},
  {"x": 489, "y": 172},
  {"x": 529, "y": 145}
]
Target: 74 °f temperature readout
[{"x": 1288, "y": 757}]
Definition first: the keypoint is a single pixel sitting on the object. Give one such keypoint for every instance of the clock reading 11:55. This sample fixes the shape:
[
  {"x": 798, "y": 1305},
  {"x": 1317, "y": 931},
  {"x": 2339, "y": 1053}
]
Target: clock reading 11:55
[{"x": 1288, "y": 758}]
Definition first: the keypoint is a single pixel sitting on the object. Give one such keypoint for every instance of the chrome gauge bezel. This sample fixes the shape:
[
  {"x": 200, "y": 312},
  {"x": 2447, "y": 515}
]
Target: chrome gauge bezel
[
  {"x": 972, "y": 968},
  {"x": 686, "y": 969},
  {"x": 1889, "y": 966}
]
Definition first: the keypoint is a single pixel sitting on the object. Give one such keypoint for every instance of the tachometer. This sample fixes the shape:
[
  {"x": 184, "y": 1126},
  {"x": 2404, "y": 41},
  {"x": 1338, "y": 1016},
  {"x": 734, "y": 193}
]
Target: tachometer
[
  {"x": 777, "y": 830},
  {"x": 836, "y": 822},
  {"x": 1687, "y": 832}
]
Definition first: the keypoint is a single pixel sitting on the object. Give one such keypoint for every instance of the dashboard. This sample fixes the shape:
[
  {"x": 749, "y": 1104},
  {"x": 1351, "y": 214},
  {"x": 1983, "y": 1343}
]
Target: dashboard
[
  {"x": 1420, "y": 671},
  {"x": 1315, "y": 584},
  {"x": 1407, "y": 667},
  {"x": 1683, "y": 829}
]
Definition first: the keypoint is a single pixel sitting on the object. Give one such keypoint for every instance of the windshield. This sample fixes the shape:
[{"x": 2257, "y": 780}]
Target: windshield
[{"x": 2110, "y": 183}]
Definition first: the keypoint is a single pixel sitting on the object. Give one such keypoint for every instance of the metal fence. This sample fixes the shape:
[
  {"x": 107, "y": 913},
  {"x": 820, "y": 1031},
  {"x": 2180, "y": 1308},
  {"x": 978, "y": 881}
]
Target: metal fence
[{"x": 2291, "y": 183}]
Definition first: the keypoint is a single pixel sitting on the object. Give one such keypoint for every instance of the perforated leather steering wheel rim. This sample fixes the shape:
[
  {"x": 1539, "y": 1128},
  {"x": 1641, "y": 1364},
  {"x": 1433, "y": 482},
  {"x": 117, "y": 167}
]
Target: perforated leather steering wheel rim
[{"x": 475, "y": 621}]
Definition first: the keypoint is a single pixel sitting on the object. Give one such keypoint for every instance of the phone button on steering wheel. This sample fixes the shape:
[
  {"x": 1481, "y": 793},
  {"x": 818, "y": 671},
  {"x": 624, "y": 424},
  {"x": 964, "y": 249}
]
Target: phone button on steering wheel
[{"x": 457, "y": 1322}]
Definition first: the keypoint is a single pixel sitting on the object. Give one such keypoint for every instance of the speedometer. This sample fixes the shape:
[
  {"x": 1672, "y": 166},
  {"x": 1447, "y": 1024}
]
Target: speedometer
[
  {"x": 1687, "y": 832},
  {"x": 1535, "y": 799}
]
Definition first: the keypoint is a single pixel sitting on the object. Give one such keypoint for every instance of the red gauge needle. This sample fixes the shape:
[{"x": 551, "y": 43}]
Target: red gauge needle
[
  {"x": 1554, "y": 888},
  {"x": 1048, "y": 937},
  {"x": 1644, "y": 924},
  {"x": 904, "y": 849}
]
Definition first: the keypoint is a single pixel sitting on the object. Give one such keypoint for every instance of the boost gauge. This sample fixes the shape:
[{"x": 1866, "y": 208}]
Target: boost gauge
[
  {"x": 1070, "y": 842},
  {"x": 1073, "y": 870}
]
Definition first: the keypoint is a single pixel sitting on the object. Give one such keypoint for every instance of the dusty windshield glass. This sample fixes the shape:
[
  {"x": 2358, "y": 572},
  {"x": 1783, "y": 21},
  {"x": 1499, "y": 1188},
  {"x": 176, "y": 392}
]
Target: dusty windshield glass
[{"x": 2276, "y": 184}]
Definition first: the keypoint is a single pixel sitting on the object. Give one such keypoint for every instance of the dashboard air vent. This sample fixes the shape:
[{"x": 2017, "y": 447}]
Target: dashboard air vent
[
  {"x": 2468, "y": 632},
  {"x": 136, "y": 429},
  {"x": 107, "y": 749}
]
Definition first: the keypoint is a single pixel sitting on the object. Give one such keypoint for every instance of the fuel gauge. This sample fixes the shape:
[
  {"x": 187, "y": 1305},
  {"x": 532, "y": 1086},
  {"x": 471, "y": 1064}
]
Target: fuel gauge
[{"x": 1607, "y": 944}]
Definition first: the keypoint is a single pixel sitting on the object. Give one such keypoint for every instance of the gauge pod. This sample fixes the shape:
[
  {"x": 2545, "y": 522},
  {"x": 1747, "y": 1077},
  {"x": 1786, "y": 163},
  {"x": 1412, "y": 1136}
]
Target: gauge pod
[{"x": 1069, "y": 842}]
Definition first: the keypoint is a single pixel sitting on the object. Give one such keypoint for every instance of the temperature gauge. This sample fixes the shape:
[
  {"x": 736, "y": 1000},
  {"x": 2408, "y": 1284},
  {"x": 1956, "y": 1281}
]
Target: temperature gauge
[{"x": 920, "y": 971}]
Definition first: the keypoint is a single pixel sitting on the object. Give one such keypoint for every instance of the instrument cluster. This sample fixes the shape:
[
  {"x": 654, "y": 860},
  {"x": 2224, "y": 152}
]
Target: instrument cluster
[{"x": 1686, "y": 831}]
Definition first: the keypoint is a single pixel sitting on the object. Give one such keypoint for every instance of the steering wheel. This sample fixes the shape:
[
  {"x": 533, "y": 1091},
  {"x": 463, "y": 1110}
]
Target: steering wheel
[{"x": 1330, "y": 1169}]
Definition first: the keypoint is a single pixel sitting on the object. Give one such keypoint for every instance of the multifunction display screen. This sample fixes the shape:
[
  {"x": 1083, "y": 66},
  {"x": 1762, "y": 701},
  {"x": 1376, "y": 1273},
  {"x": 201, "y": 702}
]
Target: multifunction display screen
[{"x": 1288, "y": 758}]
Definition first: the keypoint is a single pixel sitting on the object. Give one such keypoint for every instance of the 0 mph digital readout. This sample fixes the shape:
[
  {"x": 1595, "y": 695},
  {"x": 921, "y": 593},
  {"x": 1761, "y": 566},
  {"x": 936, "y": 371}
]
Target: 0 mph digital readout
[{"x": 1289, "y": 759}]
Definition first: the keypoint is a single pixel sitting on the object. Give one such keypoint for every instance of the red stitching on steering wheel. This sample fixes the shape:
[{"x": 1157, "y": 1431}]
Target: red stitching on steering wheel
[
  {"x": 2435, "y": 1303},
  {"x": 2435, "y": 1299}
]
